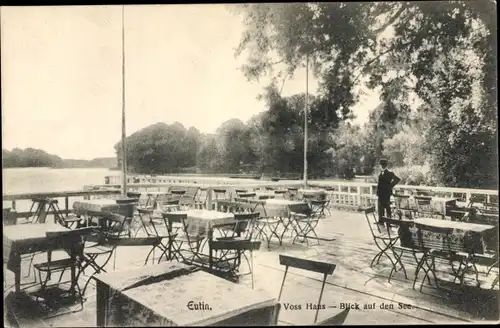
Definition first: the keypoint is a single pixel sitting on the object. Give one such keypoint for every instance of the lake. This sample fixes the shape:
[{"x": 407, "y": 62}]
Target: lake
[{"x": 41, "y": 179}]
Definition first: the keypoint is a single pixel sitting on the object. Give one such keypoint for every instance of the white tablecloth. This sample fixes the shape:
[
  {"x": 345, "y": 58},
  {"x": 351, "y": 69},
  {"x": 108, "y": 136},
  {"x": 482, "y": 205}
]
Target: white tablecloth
[
  {"x": 279, "y": 207},
  {"x": 95, "y": 206},
  {"x": 199, "y": 222}
]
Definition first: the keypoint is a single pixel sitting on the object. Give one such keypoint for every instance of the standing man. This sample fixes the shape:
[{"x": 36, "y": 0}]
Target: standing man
[{"x": 386, "y": 181}]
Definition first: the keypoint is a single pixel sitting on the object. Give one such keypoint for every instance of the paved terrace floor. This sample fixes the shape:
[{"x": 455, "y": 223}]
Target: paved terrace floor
[{"x": 351, "y": 248}]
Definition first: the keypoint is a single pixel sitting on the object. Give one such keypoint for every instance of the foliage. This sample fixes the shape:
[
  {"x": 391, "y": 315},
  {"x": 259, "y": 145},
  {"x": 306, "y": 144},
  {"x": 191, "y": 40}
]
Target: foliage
[
  {"x": 405, "y": 148},
  {"x": 347, "y": 151},
  {"x": 414, "y": 175},
  {"x": 160, "y": 148},
  {"x": 443, "y": 53},
  {"x": 29, "y": 157}
]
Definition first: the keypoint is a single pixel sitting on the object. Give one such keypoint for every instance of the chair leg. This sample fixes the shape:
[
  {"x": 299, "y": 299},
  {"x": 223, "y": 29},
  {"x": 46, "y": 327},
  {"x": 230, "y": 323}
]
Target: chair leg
[
  {"x": 283, "y": 283},
  {"x": 251, "y": 269},
  {"x": 320, "y": 296}
]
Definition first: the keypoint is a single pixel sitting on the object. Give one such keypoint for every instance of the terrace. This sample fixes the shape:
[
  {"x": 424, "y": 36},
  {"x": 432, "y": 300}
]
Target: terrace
[{"x": 345, "y": 241}]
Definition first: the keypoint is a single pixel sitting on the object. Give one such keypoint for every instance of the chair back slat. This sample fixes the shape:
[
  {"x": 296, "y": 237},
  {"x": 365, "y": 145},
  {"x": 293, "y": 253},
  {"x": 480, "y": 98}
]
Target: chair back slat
[
  {"x": 303, "y": 208},
  {"x": 134, "y": 241},
  {"x": 245, "y": 224},
  {"x": 127, "y": 207},
  {"x": 449, "y": 240},
  {"x": 224, "y": 205},
  {"x": 189, "y": 197},
  {"x": 172, "y": 217},
  {"x": 336, "y": 320},
  {"x": 9, "y": 217},
  {"x": 376, "y": 228},
  {"x": 235, "y": 245},
  {"x": 247, "y": 194},
  {"x": 69, "y": 239},
  {"x": 309, "y": 265}
]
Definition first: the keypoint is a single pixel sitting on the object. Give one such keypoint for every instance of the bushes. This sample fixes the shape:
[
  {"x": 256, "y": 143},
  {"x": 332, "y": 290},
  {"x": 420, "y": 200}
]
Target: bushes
[{"x": 416, "y": 175}]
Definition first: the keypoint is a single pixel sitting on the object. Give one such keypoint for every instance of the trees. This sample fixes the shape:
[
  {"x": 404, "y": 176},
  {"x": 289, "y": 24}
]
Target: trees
[
  {"x": 29, "y": 157},
  {"x": 443, "y": 53},
  {"x": 160, "y": 148}
]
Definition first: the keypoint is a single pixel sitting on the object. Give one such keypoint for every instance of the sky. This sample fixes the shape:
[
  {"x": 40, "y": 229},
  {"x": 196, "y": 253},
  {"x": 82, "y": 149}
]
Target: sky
[{"x": 62, "y": 74}]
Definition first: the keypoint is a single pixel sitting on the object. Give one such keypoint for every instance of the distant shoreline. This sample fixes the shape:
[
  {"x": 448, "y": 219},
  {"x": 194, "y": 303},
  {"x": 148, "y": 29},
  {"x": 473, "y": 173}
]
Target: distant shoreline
[{"x": 56, "y": 168}]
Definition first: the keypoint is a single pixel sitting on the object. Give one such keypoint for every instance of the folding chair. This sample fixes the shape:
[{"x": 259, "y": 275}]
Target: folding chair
[
  {"x": 40, "y": 213},
  {"x": 242, "y": 229},
  {"x": 281, "y": 193},
  {"x": 178, "y": 239},
  {"x": 149, "y": 225},
  {"x": 98, "y": 245},
  {"x": 399, "y": 250},
  {"x": 170, "y": 205},
  {"x": 292, "y": 193},
  {"x": 382, "y": 238},
  {"x": 423, "y": 206},
  {"x": 220, "y": 194},
  {"x": 72, "y": 242},
  {"x": 264, "y": 223},
  {"x": 9, "y": 217},
  {"x": 201, "y": 198},
  {"x": 231, "y": 264},
  {"x": 240, "y": 191},
  {"x": 303, "y": 221},
  {"x": 315, "y": 266},
  {"x": 336, "y": 320},
  {"x": 440, "y": 244},
  {"x": 247, "y": 195},
  {"x": 319, "y": 207},
  {"x": 495, "y": 282}
]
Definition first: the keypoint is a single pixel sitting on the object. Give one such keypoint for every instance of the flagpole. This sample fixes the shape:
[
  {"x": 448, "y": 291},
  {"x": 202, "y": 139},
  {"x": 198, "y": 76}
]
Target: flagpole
[
  {"x": 124, "y": 146},
  {"x": 305, "y": 121}
]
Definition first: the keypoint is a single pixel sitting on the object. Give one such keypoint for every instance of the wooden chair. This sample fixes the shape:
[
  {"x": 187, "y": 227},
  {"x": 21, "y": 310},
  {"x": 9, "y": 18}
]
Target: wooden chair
[
  {"x": 220, "y": 194},
  {"x": 240, "y": 191},
  {"x": 8, "y": 216},
  {"x": 247, "y": 195},
  {"x": 266, "y": 227},
  {"x": 383, "y": 238},
  {"x": 230, "y": 263},
  {"x": 188, "y": 199},
  {"x": 336, "y": 320},
  {"x": 404, "y": 246},
  {"x": 281, "y": 193},
  {"x": 292, "y": 193},
  {"x": 178, "y": 239},
  {"x": 314, "y": 266},
  {"x": 201, "y": 198},
  {"x": 242, "y": 229},
  {"x": 423, "y": 206},
  {"x": 320, "y": 206},
  {"x": 304, "y": 222},
  {"x": 149, "y": 225},
  {"x": 445, "y": 244},
  {"x": 72, "y": 241}
]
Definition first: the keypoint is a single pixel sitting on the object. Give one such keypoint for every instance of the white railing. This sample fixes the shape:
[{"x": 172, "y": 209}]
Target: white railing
[{"x": 342, "y": 194}]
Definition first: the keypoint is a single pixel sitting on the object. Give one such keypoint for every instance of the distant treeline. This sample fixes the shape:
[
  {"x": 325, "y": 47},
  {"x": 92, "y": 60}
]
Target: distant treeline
[{"x": 31, "y": 157}]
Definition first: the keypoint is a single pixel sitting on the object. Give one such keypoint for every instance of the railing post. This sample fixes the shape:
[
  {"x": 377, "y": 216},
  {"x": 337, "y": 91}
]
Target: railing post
[
  {"x": 14, "y": 204},
  {"x": 359, "y": 200},
  {"x": 209, "y": 198},
  {"x": 66, "y": 203},
  {"x": 467, "y": 197}
]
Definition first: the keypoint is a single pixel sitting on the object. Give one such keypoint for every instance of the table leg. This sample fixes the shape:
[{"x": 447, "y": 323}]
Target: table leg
[
  {"x": 102, "y": 303},
  {"x": 16, "y": 267}
]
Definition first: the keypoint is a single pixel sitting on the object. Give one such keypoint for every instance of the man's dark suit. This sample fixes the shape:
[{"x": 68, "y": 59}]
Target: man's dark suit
[{"x": 386, "y": 181}]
